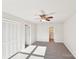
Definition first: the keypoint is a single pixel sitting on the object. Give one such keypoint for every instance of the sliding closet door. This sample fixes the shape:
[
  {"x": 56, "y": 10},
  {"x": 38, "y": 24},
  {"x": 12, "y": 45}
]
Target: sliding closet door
[
  {"x": 5, "y": 43},
  {"x": 13, "y": 37}
]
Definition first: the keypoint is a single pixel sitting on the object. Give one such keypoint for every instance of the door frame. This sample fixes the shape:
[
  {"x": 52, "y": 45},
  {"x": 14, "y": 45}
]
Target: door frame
[{"x": 51, "y": 29}]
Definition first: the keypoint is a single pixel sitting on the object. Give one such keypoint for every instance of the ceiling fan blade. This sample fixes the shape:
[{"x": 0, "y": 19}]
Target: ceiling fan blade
[
  {"x": 47, "y": 19},
  {"x": 50, "y": 17}
]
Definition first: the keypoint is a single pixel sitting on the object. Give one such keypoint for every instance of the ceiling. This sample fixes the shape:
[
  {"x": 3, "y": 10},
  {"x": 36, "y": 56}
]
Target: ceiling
[{"x": 29, "y": 9}]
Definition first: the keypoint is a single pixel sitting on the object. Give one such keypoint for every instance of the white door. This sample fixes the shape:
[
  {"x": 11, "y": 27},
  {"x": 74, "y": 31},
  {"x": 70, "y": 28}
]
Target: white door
[
  {"x": 9, "y": 38},
  {"x": 13, "y": 37}
]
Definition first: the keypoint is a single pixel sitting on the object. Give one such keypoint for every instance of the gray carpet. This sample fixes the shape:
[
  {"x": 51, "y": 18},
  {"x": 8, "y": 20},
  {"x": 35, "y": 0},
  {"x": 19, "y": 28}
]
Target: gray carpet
[{"x": 55, "y": 50}]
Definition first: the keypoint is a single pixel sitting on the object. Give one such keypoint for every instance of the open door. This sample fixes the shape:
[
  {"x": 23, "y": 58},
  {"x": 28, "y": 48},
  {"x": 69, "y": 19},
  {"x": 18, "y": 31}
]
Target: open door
[
  {"x": 27, "y": 35},
  {"x": 51, "y": 34}
]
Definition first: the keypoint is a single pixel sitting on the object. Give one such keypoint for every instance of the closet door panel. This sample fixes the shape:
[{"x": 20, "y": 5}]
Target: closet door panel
[
  {"x": 5, "y": 41},
  {"x": 13, "y": 37}
]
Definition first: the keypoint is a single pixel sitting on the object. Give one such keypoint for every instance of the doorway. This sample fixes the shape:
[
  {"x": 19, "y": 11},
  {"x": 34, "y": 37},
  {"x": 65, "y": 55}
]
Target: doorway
[
  {"x": 27, "y": 35},
  {"x": 51, "y": 34}
]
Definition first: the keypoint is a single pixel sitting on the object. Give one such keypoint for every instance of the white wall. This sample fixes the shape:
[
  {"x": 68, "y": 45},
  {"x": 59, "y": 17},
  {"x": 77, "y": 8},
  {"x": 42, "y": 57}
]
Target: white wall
[
  {"x": 70, "y": 34},
  {"x": 33, "y": 33},
  {"x": 14, "y": 34},
  {"x": 30, "y": 24},
  {"x": 59, "y": 35},
  {"x": 43, "y": 32}
]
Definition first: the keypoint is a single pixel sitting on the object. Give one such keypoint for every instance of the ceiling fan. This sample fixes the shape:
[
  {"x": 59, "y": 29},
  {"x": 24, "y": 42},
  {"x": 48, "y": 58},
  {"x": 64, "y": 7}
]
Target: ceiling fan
[{"x": 45, "y": 17}]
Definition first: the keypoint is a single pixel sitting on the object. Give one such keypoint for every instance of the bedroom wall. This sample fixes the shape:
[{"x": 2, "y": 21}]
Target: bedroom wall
[
  {"x": 59, "y": 32},
  {"x": 13, "y": 32},
  {"x": 33, "y": 33},
  {"x": 18, "y": 19},
  {"x": 70, "y": 34},
  {"x": 43, "y": 32}
]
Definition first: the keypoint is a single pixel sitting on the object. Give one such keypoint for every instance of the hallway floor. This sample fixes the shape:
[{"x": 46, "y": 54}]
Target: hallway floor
[{"x": 55, "y": 50}]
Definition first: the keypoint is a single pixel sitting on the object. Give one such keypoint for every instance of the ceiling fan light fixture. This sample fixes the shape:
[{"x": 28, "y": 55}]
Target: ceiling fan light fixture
[
  {"x": 43, "y": 20},
  {"x": 45, "y": 17}
]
